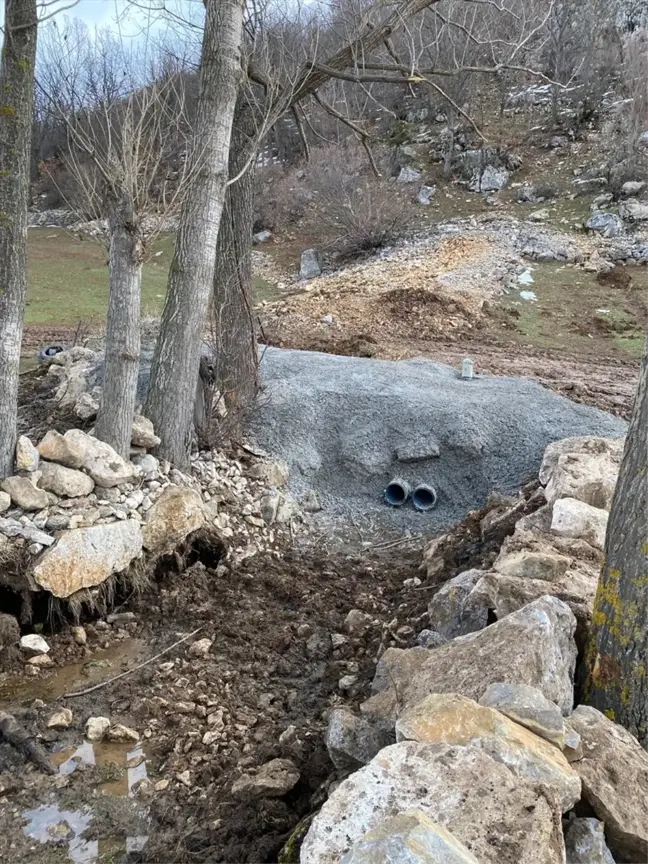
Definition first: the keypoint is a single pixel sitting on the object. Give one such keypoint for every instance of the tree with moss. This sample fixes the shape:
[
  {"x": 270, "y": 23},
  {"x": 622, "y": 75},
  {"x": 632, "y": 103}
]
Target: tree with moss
[
  {"x": 16, "y": 112},
  {"x": 616, "y": 656}
]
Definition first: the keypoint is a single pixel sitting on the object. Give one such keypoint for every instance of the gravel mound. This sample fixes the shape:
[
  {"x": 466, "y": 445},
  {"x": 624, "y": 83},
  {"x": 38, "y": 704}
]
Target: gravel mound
[{"x": 347, "y": 425}]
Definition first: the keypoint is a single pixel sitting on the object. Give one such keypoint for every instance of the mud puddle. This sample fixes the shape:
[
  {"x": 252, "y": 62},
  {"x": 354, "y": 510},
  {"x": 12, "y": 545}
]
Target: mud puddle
[{"x": 17, "y": 691}]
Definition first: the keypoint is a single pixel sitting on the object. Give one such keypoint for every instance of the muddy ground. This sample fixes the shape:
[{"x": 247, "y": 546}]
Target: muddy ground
[{"x": 262, "y": 690}]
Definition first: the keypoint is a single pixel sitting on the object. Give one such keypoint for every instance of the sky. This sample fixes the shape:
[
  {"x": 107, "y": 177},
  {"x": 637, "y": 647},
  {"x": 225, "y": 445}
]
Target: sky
[{"x": 130, "y": 18}]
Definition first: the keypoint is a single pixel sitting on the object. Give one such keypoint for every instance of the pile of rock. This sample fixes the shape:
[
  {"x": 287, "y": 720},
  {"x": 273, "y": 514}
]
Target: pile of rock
[
  {"x": 83, "y": 513},
  {"x": 470, "y": 749}
]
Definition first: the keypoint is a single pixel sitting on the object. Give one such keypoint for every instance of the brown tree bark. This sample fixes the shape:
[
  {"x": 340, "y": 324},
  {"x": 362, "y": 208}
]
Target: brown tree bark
[
  {"x": 616, "y": 656},
  {"x": 115, "y": 417},
  {"x": 236, "y": 357},
  {"x": 16, "y": 115},
  {"x": 174, "y": 371}
]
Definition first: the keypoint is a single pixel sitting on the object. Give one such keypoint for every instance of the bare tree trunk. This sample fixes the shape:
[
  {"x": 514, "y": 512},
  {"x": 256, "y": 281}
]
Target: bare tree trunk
[
  {"x": 174, "y": 370},
  {"x": 236, "y": 358},
  {"x": 16, "y": 115},
  {"x": 616, "y": 656},
  {"x": 115, "y": 417}
]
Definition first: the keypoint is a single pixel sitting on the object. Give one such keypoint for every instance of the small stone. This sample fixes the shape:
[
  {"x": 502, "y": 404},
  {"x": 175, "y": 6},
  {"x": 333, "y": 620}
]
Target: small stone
[
  {"x": 96, "y": 728},
  {"x": 41, "y": 660},
  {"x": 200, "y": 648},
  {"x": 149, "y": 465},
  {"x": 32, "y": 643},
  {"x": 309, "y": 267},
  {"x": 27, "y": 456},
  {"x": 57, "y": 522},
  {"x": 143, "y": 434},
  {"x": 86, "y": 406},
  {"x": 356, "y": 621},
  {"x": 311, "y": 503},
  {"x": 61, "y": 719},
  {"x": 211, "y": 737},
  {"x": 5, "y": 502},
  {"x": 24, "y": 494},
  {"x": 119, "y": 732},
  {"x": 347, "y": 681},
  {"x": 118, "y": 619},
  {"x": 430, "y": 639},
  {"x": 9, "y": 631},
  {"x": 161, "y": 785},
  {"x": 273, "y": 780},
  {"x": 79, "y": 635},
  {"x": 425, "y": 195},
  {"x": 185, "y": 778},
  {"x": 35, "y": 549}
]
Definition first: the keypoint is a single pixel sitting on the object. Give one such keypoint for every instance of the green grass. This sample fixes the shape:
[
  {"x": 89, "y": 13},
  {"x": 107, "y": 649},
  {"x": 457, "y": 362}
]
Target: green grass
[
  {"x": 576, "y": 313},
  {"x": 67, "y": 279}
]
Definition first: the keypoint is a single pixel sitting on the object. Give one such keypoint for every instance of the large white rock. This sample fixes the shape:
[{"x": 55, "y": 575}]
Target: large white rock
[
  {"x": 446, "y": 718},
  {"x": 534, "y": 645},
  {"x": 177, "y": 512},
  {"x": 410, "y": 838},
  {"x": 67, "y": 482},
  {"x": 614, "y": 772},
  {"x": 584, "y": 467},
  {"x": 34, "y": 644},
  {"x": 574, "y": 518},
  {"x": 498, "y": 816},
  {"x": 27, "y": 456},
  {"x": 103, "y": 464},
  {"x": 85, "y": 557},
  {"x": 24, "y": 493}
]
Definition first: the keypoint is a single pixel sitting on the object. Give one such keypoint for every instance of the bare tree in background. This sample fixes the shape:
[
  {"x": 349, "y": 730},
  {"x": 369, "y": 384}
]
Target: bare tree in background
[
  {"x": 174, "y": 371},
  {"x": 126, "y": 155},
  {"x": 16, "y": 113},
  {"x": 381, "y": 45}
]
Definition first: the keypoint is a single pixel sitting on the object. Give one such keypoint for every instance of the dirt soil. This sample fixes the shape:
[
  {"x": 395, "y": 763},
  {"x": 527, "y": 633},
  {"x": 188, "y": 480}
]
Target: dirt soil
[{"x": 261, "y": 691}]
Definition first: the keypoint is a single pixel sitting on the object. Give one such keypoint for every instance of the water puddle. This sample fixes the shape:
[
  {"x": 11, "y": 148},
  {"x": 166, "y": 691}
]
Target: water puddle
[
  {"x": 127, "y": 761},
  {"x": 50, "y": 824},
  {"x": 16, "y": 692}
]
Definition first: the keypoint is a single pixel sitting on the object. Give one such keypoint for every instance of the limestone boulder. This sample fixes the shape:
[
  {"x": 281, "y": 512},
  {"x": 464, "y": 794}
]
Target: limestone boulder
[
  {"x": 544, "y": 564},
  {"x": 143, "y": 434},
  {"x": 27, "y": 456},
  {"x": 412, "y": 838},
  {"x": 24, "y": 493},
  {"x": 574, "y": 518},
  {"x": 448, "y": 612},
  {"x": 533, "y": 645},
  {"x": 273, "y": 780},
  {"x": 499, "y": 817},
  {"x": 58, "y": 448},
  {"x": 528, "y": 707},
  {"x": 584, "y": 467},
  {"x": 585, "y": 842},
  {"x": 5, "y": 502},
  {"x": 85, "y": 557},
  {"x": 351, "y": 741},
  {"x": 503, "y": 595},
  {"x": 177, "y": 512},
  {"x": 446, "y": 718},
  {"x": 614, "y": 773},
  {"x": 103, "y": 464},
  {"x": 67, "y": 482}
]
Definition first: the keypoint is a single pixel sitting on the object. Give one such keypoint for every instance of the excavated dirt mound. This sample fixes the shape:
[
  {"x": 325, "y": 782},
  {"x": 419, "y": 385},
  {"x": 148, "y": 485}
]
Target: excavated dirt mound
[{"x": 346, "y": 426}]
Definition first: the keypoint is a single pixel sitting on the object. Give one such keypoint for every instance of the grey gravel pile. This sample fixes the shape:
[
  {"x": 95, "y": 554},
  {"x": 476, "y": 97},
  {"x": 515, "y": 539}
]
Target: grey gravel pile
[{"x": 347, "y": 425}]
